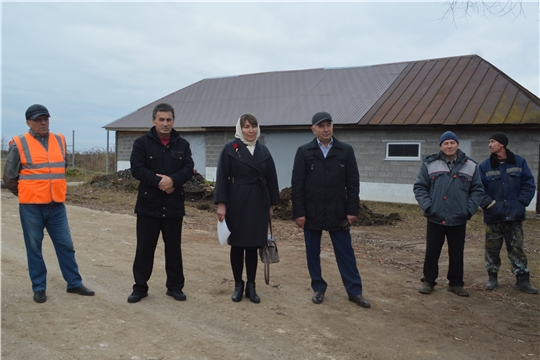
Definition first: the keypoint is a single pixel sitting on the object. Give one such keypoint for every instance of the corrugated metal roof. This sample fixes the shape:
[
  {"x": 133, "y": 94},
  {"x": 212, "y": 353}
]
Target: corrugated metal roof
[
  {"x": 448, "y": 91},
  {"x": 462, "y": 90},
  {"x": 275, "y": 98}
]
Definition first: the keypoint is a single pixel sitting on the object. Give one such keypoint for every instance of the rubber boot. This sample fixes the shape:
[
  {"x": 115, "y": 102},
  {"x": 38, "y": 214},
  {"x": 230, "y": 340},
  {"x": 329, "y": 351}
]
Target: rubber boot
[
  {"x": 492, "y": 282},
  {"x": 524, "y": 285},
  {"x": 238, "y": 291},
  {"x": 251, "y": 294}
]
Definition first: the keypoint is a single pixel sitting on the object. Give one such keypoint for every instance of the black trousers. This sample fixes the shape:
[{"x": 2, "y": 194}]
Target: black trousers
[
  {"x": 237, "y": 263},
  {"x": 434, "y": 244},
  {"x": 148, "y": 229}
]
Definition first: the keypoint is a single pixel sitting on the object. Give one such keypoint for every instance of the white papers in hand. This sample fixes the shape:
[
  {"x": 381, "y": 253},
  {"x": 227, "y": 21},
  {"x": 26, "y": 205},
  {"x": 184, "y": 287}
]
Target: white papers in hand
[{"x": 223, "y": 232}]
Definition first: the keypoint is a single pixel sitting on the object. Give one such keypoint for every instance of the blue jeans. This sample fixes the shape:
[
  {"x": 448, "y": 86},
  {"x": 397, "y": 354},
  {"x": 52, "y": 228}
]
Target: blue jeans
[
  {"x": 346, "y": 261},
  {"x": 53, "y": 217}
]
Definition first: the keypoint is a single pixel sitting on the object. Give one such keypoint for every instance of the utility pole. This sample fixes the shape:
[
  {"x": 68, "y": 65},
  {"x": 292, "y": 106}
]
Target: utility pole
[
  {"x": 107, "y": 156},
  {"x": 73, "y": 149}
]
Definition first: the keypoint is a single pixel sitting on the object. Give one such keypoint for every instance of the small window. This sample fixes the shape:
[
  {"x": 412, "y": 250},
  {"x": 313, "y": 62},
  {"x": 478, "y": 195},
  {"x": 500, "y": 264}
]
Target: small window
[{"x": 403, "y": 150}]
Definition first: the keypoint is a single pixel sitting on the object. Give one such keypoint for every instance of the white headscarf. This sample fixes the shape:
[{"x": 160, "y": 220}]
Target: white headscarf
[{"x": 240, "y": 135}]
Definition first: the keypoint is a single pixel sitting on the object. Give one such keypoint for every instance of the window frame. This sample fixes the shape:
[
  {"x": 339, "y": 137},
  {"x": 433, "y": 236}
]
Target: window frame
[{"x": 403, "y": 158}]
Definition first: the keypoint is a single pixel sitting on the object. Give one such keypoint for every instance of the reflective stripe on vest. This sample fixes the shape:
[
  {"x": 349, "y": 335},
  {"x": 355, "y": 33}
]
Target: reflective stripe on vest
[{"x": 42, "y": 178}]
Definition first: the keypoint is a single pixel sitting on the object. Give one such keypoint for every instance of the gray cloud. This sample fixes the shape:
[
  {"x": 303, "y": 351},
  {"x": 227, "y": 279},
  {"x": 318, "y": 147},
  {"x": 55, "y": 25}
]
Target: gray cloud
[{"x": 92, "y": 63}]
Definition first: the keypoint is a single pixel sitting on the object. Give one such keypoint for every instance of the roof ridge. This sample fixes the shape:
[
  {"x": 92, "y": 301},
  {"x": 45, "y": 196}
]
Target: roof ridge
[
  {"x": 263, "y": 73},
  {"x": 338, "y": 67}
]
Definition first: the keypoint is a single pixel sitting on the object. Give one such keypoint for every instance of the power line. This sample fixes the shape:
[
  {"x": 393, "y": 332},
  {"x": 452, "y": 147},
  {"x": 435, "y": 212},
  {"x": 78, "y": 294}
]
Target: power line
[{"x": 96, "y": 101}]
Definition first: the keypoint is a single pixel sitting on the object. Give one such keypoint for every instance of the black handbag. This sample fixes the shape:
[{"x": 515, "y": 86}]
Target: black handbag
[{"x": 269, "y": 254}]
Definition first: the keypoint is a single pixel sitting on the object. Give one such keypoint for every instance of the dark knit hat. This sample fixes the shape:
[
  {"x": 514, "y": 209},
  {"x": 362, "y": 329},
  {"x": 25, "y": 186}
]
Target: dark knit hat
[
  {"x": 448, "y": 136},
  {"x": 321, "y": 116},
  {"x": 36, "y": 110},
  {"x": 500, "y": 137}
]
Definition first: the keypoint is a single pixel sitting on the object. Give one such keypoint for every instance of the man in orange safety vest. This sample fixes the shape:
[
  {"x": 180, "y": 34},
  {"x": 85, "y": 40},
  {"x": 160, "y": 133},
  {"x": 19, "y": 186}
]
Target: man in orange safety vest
[{"x": 35, "y": 171}]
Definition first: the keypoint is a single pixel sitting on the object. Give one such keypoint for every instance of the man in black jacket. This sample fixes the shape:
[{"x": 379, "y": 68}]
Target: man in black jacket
[
  {"x": 325, "y": 196},
  {"x": 161, "y": 160}
]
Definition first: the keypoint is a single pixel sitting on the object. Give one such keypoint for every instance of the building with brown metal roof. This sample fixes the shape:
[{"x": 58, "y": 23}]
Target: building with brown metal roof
[{"x": 393, "y": 114}]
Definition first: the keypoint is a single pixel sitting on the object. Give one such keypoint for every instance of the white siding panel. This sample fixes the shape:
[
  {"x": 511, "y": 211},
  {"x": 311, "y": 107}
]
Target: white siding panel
[
  {"x": 283, "y": 148},
  {"x": 198, "y": 151}
]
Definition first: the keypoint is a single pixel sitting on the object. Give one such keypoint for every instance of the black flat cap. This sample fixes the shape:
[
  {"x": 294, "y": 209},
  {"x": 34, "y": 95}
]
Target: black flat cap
[
  {"x": 36, "y": 110},
  {"x": 321, "y": 116}
]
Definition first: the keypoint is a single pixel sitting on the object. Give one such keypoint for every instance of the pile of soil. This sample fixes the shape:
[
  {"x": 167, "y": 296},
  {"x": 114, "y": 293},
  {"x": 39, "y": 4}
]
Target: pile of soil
[
  {"x": 200, "y": 192},
  {"x": 121, "y": 180},
  {"x": 366, "y": 217},
  {"x": 124, "y": 181}
]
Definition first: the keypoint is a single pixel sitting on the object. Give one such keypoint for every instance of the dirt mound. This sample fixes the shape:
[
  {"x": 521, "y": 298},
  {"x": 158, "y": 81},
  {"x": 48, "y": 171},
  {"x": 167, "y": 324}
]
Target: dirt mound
[
  {"x": 200, "y": 192},
  {"x": 123, "y": 180},
  {"x": 365, "y": 218}
]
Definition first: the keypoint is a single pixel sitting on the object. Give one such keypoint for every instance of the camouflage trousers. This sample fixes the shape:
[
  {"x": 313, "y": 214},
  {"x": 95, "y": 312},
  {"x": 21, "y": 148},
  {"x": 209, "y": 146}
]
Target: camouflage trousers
[{"x": 511, "y": 233}]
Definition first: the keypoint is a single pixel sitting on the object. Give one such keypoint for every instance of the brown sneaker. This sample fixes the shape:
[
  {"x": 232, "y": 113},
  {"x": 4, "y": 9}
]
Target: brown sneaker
[
  {"x": 426, "y": 288},
  {"x": 458, "y": 290}
]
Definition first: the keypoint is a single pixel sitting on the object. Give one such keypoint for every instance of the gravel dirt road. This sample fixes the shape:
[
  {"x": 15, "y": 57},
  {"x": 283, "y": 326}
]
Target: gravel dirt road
[{"x": 401, "y": 324}]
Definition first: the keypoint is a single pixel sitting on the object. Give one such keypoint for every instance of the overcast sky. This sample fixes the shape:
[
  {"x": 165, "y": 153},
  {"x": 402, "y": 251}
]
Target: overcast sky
[{"x": 92, "y": 63}]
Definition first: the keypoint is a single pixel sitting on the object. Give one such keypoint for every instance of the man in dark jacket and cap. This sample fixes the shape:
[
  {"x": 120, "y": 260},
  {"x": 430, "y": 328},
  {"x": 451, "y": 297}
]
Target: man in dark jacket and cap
[
  {"x": 508, "y": 189},
  {"x": 448, "y": 189},
  {"x": 325, "y": 196},
  {"x": 161, "y": 160}
]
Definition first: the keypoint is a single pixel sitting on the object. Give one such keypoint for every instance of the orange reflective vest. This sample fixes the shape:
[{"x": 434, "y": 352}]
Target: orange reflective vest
[{"x": 42, "y": 178}]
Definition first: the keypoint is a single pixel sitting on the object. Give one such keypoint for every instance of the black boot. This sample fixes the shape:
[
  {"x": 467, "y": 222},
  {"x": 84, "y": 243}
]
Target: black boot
[
  {"x": 492, "y": 282},
  {"x": 238, "y": 291},
  {"x": 251, "y": 294},
  {"x": 524, "y": 285}
]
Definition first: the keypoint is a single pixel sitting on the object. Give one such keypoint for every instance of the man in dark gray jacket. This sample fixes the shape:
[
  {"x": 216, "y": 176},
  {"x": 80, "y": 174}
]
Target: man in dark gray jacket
[
  {"x": 325, "y": 189},
  {"x": 449, "y": 190}
]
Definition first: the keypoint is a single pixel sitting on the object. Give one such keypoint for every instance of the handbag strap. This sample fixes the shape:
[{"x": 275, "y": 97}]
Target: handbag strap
[
  {"x": 267, "y": 273},
  {"x": 267, "y": 265}
]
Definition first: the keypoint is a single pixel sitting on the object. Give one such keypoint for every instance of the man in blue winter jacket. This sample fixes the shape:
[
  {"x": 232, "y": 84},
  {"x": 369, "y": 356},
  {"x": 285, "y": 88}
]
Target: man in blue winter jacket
[
  {"x": 449, "y": 190},
  {"x": 508, "y": 189}
]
